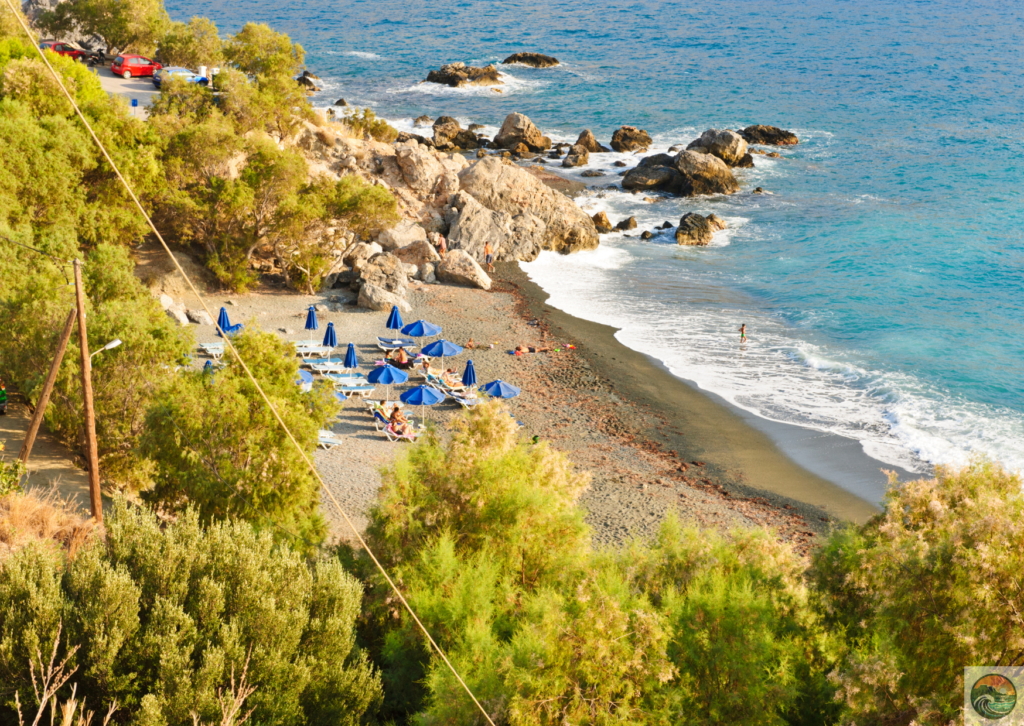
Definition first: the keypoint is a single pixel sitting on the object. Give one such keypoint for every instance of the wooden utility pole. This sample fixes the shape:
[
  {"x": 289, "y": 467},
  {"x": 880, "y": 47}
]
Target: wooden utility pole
[
  {"x": 44, "y": 397},
  {"x": 95, "y": 502}
]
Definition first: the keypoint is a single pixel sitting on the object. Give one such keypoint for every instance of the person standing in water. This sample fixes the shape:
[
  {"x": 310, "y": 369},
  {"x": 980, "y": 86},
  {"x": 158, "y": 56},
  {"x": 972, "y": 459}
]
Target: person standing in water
[{"x": 743, "y": 333}]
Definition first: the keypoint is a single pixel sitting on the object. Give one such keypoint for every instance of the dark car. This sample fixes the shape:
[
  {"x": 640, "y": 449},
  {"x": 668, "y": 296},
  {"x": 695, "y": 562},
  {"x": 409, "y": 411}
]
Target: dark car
[
  {"x": 133, "y": 66},
  {"x": 72, "y": 50}
]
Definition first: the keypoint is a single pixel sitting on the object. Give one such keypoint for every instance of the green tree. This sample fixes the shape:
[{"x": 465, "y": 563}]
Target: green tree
[
  {"x": 193, "y": 44},
  {"x": 164, "y": 614},
  {"x": 259, "y": 50},
  {"x": 126, "y": 26},
  {"x": 214, "y": 445}
]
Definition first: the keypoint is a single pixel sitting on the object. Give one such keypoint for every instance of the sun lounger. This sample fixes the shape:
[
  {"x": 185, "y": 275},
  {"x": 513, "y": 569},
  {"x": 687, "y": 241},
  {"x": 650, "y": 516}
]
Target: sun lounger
[
  {"x": 395, "y": 343},
  {"x": 362, "y": 391},
  {"x": 326, "y": 368},
  {"x": 328, "y": 439},
  {"x": 393, "y": 435},
  {"x": 466, "y": 401},
  {"x": 318, "y": 351},
  {"x": 438, "y": 382},
  {"x": 353, "y": 379},
  {"x": 213, "y": 350}
]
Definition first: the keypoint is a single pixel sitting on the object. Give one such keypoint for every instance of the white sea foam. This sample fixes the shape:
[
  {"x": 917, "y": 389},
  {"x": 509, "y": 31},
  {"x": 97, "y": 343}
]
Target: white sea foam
[{"x": 510, "y": 86}]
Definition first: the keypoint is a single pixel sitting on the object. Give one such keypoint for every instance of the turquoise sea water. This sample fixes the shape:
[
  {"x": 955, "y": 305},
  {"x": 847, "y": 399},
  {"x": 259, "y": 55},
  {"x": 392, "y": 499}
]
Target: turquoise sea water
[{"x": 882, "y": 282}]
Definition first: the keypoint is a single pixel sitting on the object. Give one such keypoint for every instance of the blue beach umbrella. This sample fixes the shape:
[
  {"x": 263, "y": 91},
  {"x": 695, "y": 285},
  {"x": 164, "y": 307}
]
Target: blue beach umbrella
[
  {"x": 223, "y": 322},
  {"x": 500, "y": 389},
  {"x": 305, "y": 381},
  {"x": 441, "y": 349},
  {"x": 394, "y": 319},
  {"x": 350, "y": 357},
  {"x": 311, "y": 323},
  {"x": 330, "y": 339},
  {"x": 421, "y": 329},
  {"x": 469, "y": 376},
  {"x": 422, "y": 396},
  {"x": 387, "y": 374}
]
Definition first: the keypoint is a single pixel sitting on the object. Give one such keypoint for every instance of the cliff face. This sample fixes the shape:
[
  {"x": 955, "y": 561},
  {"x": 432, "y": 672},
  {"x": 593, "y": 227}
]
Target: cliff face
[{"x": 33, "y": 9}]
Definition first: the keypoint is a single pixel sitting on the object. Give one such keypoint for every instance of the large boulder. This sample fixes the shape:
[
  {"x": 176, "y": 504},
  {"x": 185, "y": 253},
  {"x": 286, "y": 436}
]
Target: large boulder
[
  {"x": 450, "y": 136},
  {"x": 418, "y": 253},
  {"x": 537, "y": 60},
  {"x": 604, "y": 226},
  {"x": 630, "y": 138},
  {"x": 377, "y": 298},
  {"x": 658, "y": 160},
  {"x": 404, "y": 233},
  {"x": 703, "y": 174},
  {"x": 505, "y": 187},
  {"x": 424, "y": 173},
  {"x": 471, "y": 226},
  {"x": 459, "y": 267},
  {"x": 564, "y": 185},
  {"x": 770, "y": 135},
  {"x": 519, "y": 129},
  {"x": 386, "y": 272},
  {"x": 459, "y": 74},
  {"x": 359, "y": 253},
  {"x": 198, "y": 316},
  {"x": 587, "y": 141},
  {"x": 652, "y": 178},
  {"x": 728, "y": 146},
  {"x": 696, "y": 230},
  {"x": 178, "y": 313},
  {"x": 577, "y": 156}
]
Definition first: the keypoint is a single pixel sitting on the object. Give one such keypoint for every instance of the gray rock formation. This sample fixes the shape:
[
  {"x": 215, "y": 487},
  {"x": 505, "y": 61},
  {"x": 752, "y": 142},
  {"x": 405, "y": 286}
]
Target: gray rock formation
[
  {"x": 459, "y": 74},
  {"x": 198, "y": 316},
  {"x": 505, "y": 187},
  {"x": 601, "y": 221},
  {"x": 425, "y": 175},
  {"x": 728, "y": 146},
  {"x": 519, "y": 129},
  {"x": 537, "y": 60},
  {"x": 577, "y": 156},
  {"x": 472, "y": 226},
  {"x": 704, "y": 174},
  {"x": 386, "y": 272},
  {"x": 630, "y": 138},
  {"x": 696, "y": 230},
  {"x": 449, "y": 135},
  {"x": 359, "y": 253},
  {"x": 460, "y": 268},
  {"x": 769, "y": 135},
  {"x": 663, "y": 178},
  {"x": 587, "y": 141},
  {"x": 418, "y": 253},
  {"x": 402, "y": 234},
  {"x": 376, "y": 298}
]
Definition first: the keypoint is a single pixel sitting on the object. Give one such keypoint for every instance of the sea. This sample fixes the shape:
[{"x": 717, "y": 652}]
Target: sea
[{"x": 880, "y": 275}]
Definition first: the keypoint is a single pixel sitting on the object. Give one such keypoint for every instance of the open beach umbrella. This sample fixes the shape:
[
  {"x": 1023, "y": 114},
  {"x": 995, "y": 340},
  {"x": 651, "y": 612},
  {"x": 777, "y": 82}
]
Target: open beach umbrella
[
  {"x": 350, "y": 357},
  {"x": 305, "y": 381},
  {"x": 330, "y": 339},
  {"x": 422, "y": 396},
  {"x": 394, "y": 319},
  {"x": 387, "y": 374},
  {"x": 441, "y": 349},
  {"x": 469, "y": 375},
  {"x": 223, "y": 322},
  {"x": 421, "y": 329},
  {"x": 500, "y": 389},
  {"x": 311, "y": 323}
]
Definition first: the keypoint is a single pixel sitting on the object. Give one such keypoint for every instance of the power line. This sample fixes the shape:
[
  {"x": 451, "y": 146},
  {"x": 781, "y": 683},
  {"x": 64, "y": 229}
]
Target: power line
[{"x": 234, "y": 352}]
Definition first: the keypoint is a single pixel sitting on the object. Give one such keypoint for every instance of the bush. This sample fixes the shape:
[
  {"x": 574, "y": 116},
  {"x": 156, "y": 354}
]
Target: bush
[
  {"x": 163, "y": 616},
  {"x": 365, "y": 123},
  {"x": 214, "y": 446},
  {"x": 931, "y": 585},
  {"x": 126, "y": 26},
  {"x": 193, "y": 44}
]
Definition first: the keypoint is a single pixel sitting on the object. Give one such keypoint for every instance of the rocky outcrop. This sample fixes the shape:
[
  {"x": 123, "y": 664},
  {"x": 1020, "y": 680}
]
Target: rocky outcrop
[
  {"x": 460, "y": 268},
  {"x": 728, "y": 146},
  {"x": 459, "y": 74},
  {"x": 577, "y": 156},
  {"x": 696, "y": 230},
  {"x": 703, "y": 174},
  {"x": 198, "y": 316},
  {"x": 630, "y": 138},
  {"x": 769, "y": 135},
  {"x": 425, "y": 174},
  {"x": 505, "y": 187},
  {"x": 402, "y": 234},
  {"x": 385, "y": 271},
  {"x": 472, "y": 225},
  {"x": 626, "y": 224},
  {"x": 569, "y": 187},
  {"x": 418, "y": 253},
  {"x": 658, "y": 160},
  {"x": 652, "y": 177},
  {"x": 537, "y": 60},
  {"x": 376, "y": 298},
  {"x": 450, "y": 136},
  {"x": 604, "y": 226},
  {"x": 306, "y": 80},
  {"x": 359, "y": 253},
  {"x": 518, "y": 129},
  {"x": 587, "y": 141}
]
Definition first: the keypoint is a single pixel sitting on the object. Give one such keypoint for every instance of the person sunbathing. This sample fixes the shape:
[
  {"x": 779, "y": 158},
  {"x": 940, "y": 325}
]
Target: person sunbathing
[
  {"x": 399, "y": 422},
  {"x": 400, "y": 359},
  {"x": 450, "y": 378},
  {"x": 530, "y": 349}
]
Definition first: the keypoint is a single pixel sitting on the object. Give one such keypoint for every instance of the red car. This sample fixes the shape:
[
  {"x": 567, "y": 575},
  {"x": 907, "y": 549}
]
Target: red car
[
  {"x": 71, "y": 50},
  {"x": 133, "y": 66}
]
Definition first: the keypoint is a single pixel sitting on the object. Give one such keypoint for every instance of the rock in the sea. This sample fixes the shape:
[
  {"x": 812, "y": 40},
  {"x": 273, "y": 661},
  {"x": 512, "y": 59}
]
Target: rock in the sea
[
  {"x": 519, "y": 129},
  {"x": 651, "y": 178},
  {"x": 577, "y": 156},
  {"x": 459, "y": 267},
  {"x": 377, "y": 298},
  {"x": 604, "y": 226},
  {"x": 745, "y": 162},
  {"x": 646, "y": 234},
  {"x": 587, "y": 141},
  {"x": 626, "y": 224},
  {"x": 505, "y": 187},
  {"x": 418, "y": 253},
  {"x": 357, "y": 256},
  {"x": 770, "y": 135},
  {"x": 386, "y": 272},
  {"x": 306, "y": 81},
  {"x": 727, "y": 145},
  {"x": 423, "y": 120},
  {"x": 696, "y": 230},
  {"x": 521, "y": 149},
  {"x": 402, "y": 234},
  {"x": 537, "y": 60},
  {"x": 592, "y": 173},
  {"x": 657, "y": 160},
  {"x": 703, "y": 174},
  {"x": 620, "y": 163},
  {"x": 198, "y": 316},
  {"x": 471, "y": 226},
  {"x": 341, "y": 102},
  {"x": 630, "y": 138},
  {"x": 459, "y": 74}
]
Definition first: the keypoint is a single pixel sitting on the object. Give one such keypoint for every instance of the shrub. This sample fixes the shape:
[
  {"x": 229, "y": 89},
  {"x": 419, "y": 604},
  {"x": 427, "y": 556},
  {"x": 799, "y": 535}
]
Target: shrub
[
  {"x": 164, "y": 616},
  {"x": 126, "y": 26},
  {"x": 365, "y": 123},
  {"x": 192, "y": 45}
]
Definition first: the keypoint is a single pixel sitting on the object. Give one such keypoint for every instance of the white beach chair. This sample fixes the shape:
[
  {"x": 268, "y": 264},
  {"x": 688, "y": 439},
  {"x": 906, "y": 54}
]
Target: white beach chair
[{"x": 328, "y": 439}]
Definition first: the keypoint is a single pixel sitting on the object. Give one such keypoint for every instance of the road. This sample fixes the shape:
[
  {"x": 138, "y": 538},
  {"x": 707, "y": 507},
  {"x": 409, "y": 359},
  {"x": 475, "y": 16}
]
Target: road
[{"x": 141, "y": 89}]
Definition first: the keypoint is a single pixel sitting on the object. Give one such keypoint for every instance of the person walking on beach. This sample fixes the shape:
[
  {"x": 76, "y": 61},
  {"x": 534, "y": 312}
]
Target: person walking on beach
[
  {"x": 743, "y": 333},
  {"x": 489, "y": 256}
]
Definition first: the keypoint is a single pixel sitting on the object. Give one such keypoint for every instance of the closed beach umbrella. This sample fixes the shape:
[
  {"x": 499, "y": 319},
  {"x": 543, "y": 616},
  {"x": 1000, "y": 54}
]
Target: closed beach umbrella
[
  {"x": 441, "y": 349},
  {"x": 350, "y": 357},
  {"x": 500, "y": 389},
  {"x": 222, "y": 321},
  {"x": 387, "y": 374},
  {"x": 311, "y": 323},
  {"x": 305, "y": 381},
  {"x": 469, "y": 376},
  {"x": 394, "y": 319},
  {"x": 330, "y": 339},
  {"x": 422, "y": 396},
  {"x": 421, "y": 329}
]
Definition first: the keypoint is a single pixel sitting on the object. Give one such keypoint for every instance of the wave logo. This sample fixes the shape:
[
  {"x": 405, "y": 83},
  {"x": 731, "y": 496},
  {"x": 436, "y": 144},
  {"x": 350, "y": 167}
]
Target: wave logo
[{"x": 993, "y": 696}]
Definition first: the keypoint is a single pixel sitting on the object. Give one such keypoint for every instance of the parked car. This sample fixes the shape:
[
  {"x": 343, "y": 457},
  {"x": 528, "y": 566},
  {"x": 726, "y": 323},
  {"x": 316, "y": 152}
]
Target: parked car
[
  {"x": 72, "y": 50},
  {"x": 133, "y": 66},
  {"x": 184, "y": 74}
]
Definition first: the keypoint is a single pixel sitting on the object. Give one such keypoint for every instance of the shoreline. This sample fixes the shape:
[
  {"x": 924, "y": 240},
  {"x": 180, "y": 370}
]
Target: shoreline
[{"x": 751, "y": 456}]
